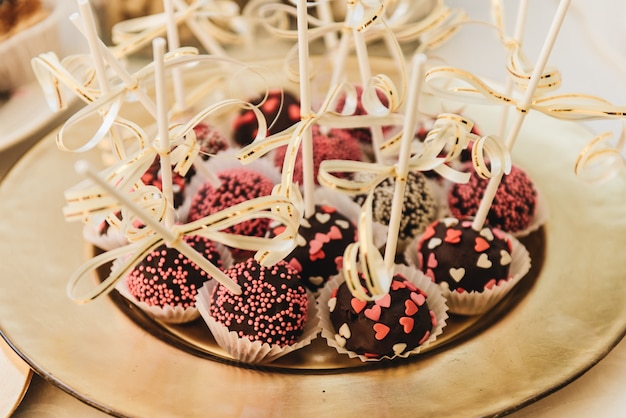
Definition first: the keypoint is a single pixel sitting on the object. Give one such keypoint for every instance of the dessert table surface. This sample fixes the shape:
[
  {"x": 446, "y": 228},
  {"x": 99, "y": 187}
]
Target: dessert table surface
[{"x": 591, "y": 55}]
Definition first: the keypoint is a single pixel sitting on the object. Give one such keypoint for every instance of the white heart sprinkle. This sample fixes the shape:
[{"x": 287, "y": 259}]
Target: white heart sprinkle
[
  {"x": 457, "y": 274},
  {"x": 483, "y": 261},
  {"x": 344, "y": 331},
  {"x": 343, "y": 224},
  {"x": 434, "y": 243},
  {"x": 322, "y": 217},
  {"x": 399, "y": 348},
  {"x": 341, "y": 342},
  {"x": 505, "y": 257},
  {"x": 305, "y": 223},
  {"x": 486, "y": 232},
  {"x": 301, "y": 241},
  {"x": 332, "y": 304},
  {"x": 448, "y": 222},
  {"x": 316, "y": 280}
]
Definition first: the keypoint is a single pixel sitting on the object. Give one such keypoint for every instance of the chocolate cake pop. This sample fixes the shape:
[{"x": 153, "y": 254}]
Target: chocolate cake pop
[
  {"x": 337, "y": 144},
  {"x": 166, "y": 277},
  {"x": 513, "y": 206},
  {"x": 281, "y": 110},
  {"x": 273, "y": 305},
  {"x": 322, "y": 240},
  {"x": 398, "y": 322},
  {"x": 462, "y": 259}
]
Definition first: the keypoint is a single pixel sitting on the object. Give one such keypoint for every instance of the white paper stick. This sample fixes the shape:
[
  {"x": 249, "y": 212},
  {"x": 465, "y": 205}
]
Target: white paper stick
[
  {"x": 82, "y": 167},
  {"x": 89, "y": 24},
  {"x": 523, "y": 106},
  {"x": 308, "y": 178},
  {"x": 410, "y": 125},
  {"x": 92, "y": 39},
  {"x": 173, "y": 42},
  {"x": 365, "y": 71},
  {"x": 522, "y": 11},
  {"x": 163, "y": 145},
  {"x": 119, "y": 69},
  {"x": 207, "y": 173}
]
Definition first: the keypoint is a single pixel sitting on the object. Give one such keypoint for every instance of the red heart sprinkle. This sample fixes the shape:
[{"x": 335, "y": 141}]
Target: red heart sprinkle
[
  {"x": 480, "y": 244},
  {"x": 407, "y": 323},
  {"x": 373, "y": 313},
  {"x": 381, "y": 331},
  {"x": 453, "y": 236},
  {"x": 357, "y": 304},
  {"x": 410, "y": 308},
  {"x": 397, "y": 284},
  {"x": 418, "y": 298},
  {"x": 334, "y": 233},
  {"x": 320, "y": 255},
  {"x": 432, "y": 261}
]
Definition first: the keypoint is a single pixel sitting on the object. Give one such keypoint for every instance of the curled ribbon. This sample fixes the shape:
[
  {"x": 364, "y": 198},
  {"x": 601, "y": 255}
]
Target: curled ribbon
[
  {"x": 449, "y": 136},
  {"x": 58, "y": 79},
  {"x": 365, "y": 255},
  {"x": 204, "y": 18},
  {"x": 457, "y": 84},
  {"x": 268, "y": 250}
]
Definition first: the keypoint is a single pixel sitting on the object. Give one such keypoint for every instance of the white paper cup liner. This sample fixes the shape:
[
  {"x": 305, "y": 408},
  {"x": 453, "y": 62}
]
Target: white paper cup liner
[
  {"x": 476, "y": 303},
  {"x": 110, "y": 240},
  {"x": 244, "y": 349},
  {"x": 169, "y": 314},
  {"x": 435, "y": 299}
]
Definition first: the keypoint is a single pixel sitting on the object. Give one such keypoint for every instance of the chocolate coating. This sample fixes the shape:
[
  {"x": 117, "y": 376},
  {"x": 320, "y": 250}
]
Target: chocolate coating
[
  {"x": 460, "y": 258},
  {"x": 419, "y": 209},
  {"x": 281, "y": 110},
  {"x": 237, "y": 185},
  {"x": 337, "y": 144},
  {"x": 272, "y": 307},
  {"x": 513, "y": 206},
  {"x": 167, "y": 277},
  {"x": 322, "y": 240},
  {"x": 392, "y": 325}
]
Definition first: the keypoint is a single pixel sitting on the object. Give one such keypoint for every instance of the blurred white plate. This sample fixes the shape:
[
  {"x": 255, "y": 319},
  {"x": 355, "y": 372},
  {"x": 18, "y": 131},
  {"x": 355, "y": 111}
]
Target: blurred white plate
[{"x": 23, "y": 114}]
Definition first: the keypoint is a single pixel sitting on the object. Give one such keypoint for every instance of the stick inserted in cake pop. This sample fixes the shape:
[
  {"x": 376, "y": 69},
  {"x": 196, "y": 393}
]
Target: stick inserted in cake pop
[
  {"x": 522, "y": 111},
  {"x": 163, "y": 144},
  {"x": 171, "y": 239},
  {"x": 402, "y": 171},
  {"x": 173, "y": 42},
  {"x": 364, "y": 67},
  {"x": 117, "y": 67},
  {"x": 517, "y": 38},
  {"x": 308, "y": 177}
]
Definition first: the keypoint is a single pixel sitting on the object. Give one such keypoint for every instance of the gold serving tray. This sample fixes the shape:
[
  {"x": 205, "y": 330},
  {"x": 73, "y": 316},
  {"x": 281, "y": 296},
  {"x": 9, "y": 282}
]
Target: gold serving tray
[{"x": 566, "y": 315}]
